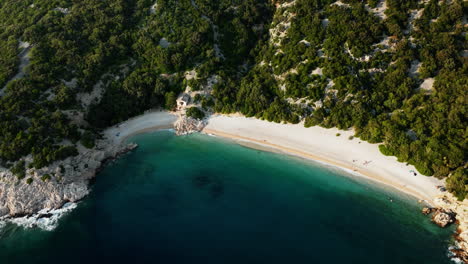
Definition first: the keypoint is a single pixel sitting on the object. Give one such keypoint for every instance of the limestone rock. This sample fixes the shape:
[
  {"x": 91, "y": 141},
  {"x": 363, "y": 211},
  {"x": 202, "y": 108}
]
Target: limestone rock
[
  {"x": 68, "y": 181},
  {"x": 443, "y": 218},
  {"x": 449, "y": 202},
  {"x": 187, "y": 125}
]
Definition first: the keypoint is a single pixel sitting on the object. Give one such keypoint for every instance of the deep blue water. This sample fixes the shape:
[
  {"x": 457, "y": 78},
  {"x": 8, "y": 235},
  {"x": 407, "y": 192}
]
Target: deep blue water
[{"x": 200, "y": 199}]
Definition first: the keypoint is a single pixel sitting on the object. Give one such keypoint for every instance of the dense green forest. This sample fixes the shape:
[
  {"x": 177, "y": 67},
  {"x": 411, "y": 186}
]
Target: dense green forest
[{"x": 396, "y": 75}]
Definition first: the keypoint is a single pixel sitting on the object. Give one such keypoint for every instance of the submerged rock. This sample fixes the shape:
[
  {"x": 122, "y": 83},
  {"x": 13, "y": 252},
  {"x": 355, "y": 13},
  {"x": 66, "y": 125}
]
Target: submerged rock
[{"x": 427, "y": 210}]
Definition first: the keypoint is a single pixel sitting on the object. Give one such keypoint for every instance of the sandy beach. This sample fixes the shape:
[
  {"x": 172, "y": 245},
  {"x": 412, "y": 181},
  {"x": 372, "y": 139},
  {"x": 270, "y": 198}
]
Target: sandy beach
[
  {"x": 316, "y": 143},
  {"x": 140, "y": 124},
  {"x": 323, "y": 145}
]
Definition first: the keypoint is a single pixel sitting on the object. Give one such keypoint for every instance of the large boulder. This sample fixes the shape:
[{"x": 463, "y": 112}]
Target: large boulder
[{"x": 443, "y": 218}]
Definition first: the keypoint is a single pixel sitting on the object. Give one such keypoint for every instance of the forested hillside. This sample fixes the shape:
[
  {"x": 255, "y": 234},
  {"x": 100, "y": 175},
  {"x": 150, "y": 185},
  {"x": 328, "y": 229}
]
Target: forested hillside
[{"x": 395, "y": 71}]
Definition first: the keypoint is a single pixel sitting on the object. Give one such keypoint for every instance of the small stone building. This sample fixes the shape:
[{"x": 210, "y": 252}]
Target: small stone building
[{"x": 183, "y": 101}]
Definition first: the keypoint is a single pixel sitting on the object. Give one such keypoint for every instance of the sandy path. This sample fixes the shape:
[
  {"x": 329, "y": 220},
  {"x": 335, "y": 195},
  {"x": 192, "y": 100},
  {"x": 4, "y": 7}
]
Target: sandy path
[{"x": 320, "y": 144}]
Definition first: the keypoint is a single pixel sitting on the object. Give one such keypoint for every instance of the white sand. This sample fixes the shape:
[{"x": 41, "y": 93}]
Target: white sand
[
  {"x": 320, "y": 144},
  {"x": 379, "y": 10},
  {"x": 339, "y": 3},
  {"x": 140, "y": 124},
  {"x": 287, "y": 4},
  {"x": 318, "y": 71},
  {"x": 427, "y": 84},
  {"x": 305, "y": 42}
]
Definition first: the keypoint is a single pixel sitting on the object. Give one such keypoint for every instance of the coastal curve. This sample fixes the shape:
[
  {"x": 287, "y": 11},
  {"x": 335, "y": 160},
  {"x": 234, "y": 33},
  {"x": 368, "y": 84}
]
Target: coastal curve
[
  {"x": 340, "y": 149},
  {"x": 330, "y": 146}
]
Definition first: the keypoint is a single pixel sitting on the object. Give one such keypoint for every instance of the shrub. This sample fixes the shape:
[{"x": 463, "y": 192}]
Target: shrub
[
  {"x": 88, "y": 139},
  {"x": 338, "y": 134},
  {"x": 311, "y": 121},
  {"x": 384, "y": 150},
  {"x": 47, "y": 155},
  {"x": 207, "y": 102},
  {"x": 424, "y": 169},
  {"x": 29, "y": 180},
  {"x": 19, "y": 170},
  {"x": 170, "y": 101},
  {"x": 195, "y": 112},
  {"x": 64, "y": 152},
  {"x": 45, "y": 177},
  {"x": 194, "y": 84},
  {"x": 197, "y": 98},
  {"x": 458, "y": 184}
]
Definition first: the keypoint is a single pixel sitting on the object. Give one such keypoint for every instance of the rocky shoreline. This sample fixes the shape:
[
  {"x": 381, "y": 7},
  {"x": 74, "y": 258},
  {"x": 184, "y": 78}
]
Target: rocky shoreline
[
  {"x": 459, "y": 212},
  {"x": 449, "y": 211},
  {"x": 52, "y": 187},
  {"x": 55, "y": 189}
]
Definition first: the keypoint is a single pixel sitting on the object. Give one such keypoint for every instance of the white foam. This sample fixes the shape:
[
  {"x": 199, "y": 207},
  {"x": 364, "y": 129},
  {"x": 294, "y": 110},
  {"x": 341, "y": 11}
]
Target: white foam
[
  {"x": 2, "y": 224},
  {"x": 452, "y": 256},
  {"x": 457, "y": 260},
  {"x": 46, "y": 219}
]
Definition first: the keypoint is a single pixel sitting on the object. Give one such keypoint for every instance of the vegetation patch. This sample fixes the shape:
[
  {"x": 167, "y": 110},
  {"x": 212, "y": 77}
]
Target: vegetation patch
[{"x": 195, "y": 112}]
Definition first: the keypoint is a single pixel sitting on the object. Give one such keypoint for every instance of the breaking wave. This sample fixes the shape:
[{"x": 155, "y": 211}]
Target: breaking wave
[{"x": 46, "y": 219}]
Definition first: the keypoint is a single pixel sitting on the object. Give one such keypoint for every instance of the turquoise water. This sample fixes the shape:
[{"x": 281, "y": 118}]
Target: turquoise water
[{"x": 200, "y": 199}]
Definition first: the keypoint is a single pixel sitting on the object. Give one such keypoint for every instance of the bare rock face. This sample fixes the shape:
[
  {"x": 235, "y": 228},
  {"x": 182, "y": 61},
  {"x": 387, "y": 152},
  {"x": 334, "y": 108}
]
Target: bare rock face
[
  {"x": 443, "y": 218},
  {"x": 450, "y": 203},
  {"x": 187, "y": 125},
  {"x": 68, "y": 182},
  {"x": 21, "y": 198}
]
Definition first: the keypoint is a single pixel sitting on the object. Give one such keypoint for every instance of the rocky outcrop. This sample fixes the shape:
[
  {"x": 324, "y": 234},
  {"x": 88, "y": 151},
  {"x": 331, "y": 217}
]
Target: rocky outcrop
[
  {"x": 448, "y": 203},
  {"x": 54, "y": 185},
  {"x": 443, "y": 218},
  {"x": 427, "y": 210},
  {"x": 187, "y": 125}
]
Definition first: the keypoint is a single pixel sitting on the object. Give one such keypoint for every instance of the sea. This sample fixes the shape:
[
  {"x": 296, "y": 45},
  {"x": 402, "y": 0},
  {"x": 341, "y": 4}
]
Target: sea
[{"x": 203, "y": 199}]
